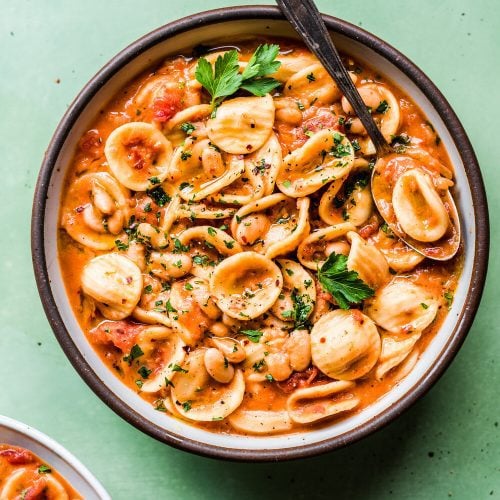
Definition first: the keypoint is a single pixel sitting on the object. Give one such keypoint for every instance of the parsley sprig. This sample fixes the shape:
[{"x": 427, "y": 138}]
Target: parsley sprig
[
  {"x": 224, "y": 79},
  {"x": 345, "y": 286}
]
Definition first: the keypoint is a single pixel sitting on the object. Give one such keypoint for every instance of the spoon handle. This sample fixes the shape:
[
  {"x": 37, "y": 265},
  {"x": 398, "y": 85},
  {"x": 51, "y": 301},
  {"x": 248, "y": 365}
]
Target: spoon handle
[{"x": 307, "y": 21}]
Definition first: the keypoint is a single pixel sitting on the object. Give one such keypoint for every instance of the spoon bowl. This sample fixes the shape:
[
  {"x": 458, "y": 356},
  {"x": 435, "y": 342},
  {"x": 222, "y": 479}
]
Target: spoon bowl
[{"x": 306, "y": 19}]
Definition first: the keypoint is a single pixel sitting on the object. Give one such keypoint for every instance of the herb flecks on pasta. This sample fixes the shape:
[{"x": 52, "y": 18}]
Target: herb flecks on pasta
[{"x": 222, "y": 250}]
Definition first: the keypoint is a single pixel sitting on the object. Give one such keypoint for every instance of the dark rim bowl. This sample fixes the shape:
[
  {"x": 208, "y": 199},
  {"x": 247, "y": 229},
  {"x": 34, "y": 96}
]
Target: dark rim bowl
[{"x": 235, "y": 23}]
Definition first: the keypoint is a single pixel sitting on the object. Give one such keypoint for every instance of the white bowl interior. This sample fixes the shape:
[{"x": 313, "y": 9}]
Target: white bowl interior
[
  {"x": 236, "y": 30},
  {"x": 18, "y": 434}
]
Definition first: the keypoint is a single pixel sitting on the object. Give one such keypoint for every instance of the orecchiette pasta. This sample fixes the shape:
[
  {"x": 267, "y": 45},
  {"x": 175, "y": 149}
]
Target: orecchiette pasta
[{"x": 228, "y": 253}]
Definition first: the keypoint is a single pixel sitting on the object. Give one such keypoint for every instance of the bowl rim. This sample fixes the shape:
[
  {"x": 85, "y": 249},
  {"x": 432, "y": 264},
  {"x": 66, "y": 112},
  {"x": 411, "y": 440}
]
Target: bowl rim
[
  {"x": 481, "y": 245},
  {"x": 51, "y": 444}
]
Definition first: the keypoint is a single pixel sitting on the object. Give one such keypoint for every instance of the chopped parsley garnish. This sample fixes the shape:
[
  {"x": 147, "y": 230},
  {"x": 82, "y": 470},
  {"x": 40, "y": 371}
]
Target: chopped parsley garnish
[
  {"x": 387, "y": 230},
  {"x": 229, "y": 244},
  {"x": 211, "y": 231},
  {"x": 201, "y": 260},
  {"x": 311, "y": 77},
  {"x": 259, "y": 365},
  {"x": 345, "y": 286},
  {"x": 424, "y": 306},
  {"x": 287, "y": 314},
  {"x": 185, "y": 155},
  {"x": 160, "y": 405},
  {"x": 253, "y": 335},
  {"x": 169, "y": 307},
  {"x": 186, "y": 406},
  {"x": 188, "y": 286},
  {"x": 154, "y": 180},
  {"x": 287, "y": 183},
  {"x": 148, "y": 289},
  {"x": 187, "y": 127},
  {"x": 44, "y": 469},
  {"x": 120, "y": 245},
  {"x": 300, "y": 106},
  {"x": 302, "y": 307},
  {"x": 184, "y": 185},
  {"x": 144, "y": 371},
  {"x": 399, "y": 142},
  {"x": 179, "y": 247},
  {"x": 224, "y": 78},
  {"x": 168, "y": 382},
  {"x": 139, "y": 383},
  {"x": 448, "y": 297},
  {"x": 135, "y": 352},
  {"x": 159, "y": 196},
  {"x": 382, "y": 107},
  {"x": 269, "y": 377},
  {"x": 177, "y": 368}
]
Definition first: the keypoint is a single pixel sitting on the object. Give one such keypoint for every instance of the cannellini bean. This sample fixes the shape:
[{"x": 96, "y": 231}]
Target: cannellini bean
[
  {"x": 211, "y": 160},
  {"x": 356, "y": 127},
  {"x": 278, "y": 365},
  {"x": 252, "y": 228},
  {"x": 219, "y": 329},
  {"x": 287, "y": 111},
  {"x": 370, "y": 97},
  {"x": 339, "y": 247},
  {"x": 169, "y": 265},
  {"x": 217, "y": 366},
  {"x": 137, "y": 253},
  {"x": 93, "y": 220},
  {"x": 102, "y": 200},
  {"x": 232, "y": 349},
  {"x": 115, "y": 223},
  {"x": 206, "y": 302},
  {"x": 298, "y": 348}
]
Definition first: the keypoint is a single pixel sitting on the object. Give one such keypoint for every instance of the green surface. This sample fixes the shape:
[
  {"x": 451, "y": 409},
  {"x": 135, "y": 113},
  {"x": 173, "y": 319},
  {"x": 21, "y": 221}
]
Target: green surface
[{"x": 447, "y": 445}]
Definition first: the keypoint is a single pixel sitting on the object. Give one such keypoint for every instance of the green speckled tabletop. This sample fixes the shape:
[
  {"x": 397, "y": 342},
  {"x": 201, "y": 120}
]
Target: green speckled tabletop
[{"x": 447, "y": 445}]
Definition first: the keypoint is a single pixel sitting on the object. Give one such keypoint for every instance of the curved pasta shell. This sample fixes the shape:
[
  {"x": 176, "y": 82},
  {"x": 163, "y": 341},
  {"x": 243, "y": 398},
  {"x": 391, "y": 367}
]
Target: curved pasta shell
[
  {"x": 138, "y": 155},
  {"x": 326, "y": 156},
  {"x": 191, "y": 317},
  {"x": 356, "y": 209},
  {"x": 246, "y": 285},
  {"x": 427, "y": 210},
  {"x": 293, "y": 63},
  {"x": 242, "y": 125},
  {"x": 205, "y": 211},
  {"x": 315, "y": 403},
  {"x": 312, "y": 85},
  {"x": 21, "y": 479},
  {"x": 198, "y": 170},
  {"x": 398, "y": 255},
  {"x": 194, "y": 113},
  {"x": 402, "y": 307},
  {"x": 389, "y": 121},
  {"x": 345, "y": 345},
  {"x": 367, "y": 261},
  {"x": 212, "y": 403},
  {"x": 260, "y": 421},
  {"x": 311, "y": 252},
  {"x": 394, "y": 352},
  {"x": 298, "y": 285},
  {"x": 263, "y": 165},
  {"x": 418, "y": 208},
  {"x": 114, "y": 282},
  {"x": 93, "y": 201},
  {"x": 273, "y": 225},
  {"x": 172, "y": 353}
]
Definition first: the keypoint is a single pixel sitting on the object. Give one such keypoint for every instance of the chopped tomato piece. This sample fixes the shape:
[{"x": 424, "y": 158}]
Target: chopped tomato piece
[
  {"x": 167, "y": 106},
  {"x": 37, "y": 491},
  {"x": 122, "y": 334},
  {"x": 17, "y": 457}
]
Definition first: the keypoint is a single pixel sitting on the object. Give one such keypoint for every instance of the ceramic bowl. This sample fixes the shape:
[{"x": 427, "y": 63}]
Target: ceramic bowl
[
  {"x": 18, "y": 434},
  {"x": 234, "y": 24}
]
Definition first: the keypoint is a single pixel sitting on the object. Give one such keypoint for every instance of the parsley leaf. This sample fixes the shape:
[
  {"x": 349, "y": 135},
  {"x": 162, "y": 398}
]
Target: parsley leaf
[
  {"x": 344, "y": 285},
  {"x": 44, "y": 469},
  {"x": 302, "y": 308},
  {"x": 221, "y": 81},
  {"x": 135, "y": 352},
  {"x": 253, "y": 335},
  {"x": 224, "y": 79}
]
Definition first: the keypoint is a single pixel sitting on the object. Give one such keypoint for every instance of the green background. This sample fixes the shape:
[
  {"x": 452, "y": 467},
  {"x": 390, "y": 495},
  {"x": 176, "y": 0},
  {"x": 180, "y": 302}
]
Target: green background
[{"x": 447, "y": 445}]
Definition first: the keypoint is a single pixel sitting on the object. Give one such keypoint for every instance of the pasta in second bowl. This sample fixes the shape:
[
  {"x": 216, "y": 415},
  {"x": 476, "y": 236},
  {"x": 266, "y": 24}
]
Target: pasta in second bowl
[{"x": 223, "y": 268}]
